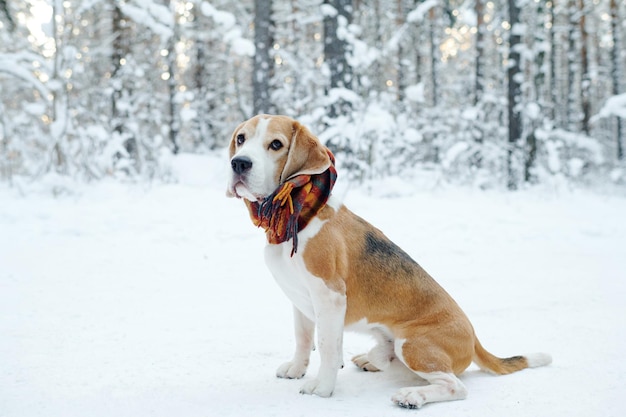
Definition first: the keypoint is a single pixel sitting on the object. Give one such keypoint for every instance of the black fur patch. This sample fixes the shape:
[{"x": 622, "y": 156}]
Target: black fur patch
[
  {"x": 382, "y": 247},
  {"x": 513, "y": 359},
  {"x": 386, "y": 254}
]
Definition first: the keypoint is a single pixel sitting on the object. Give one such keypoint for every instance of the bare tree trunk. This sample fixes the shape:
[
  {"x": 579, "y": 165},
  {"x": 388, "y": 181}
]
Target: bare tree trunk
[
  {"x": 202, "y": 105},
  {"x": 117, "y": 54},
  {"x": 5, "y": 10},
  {"x": 538, "y": 93},
  {"x": 174, "y": 123},
  {"x": 59, "y": 104},
  {"x": 553, "y": 94},
  {"x": 572, "y": 67},
  {"x": 400, "y": 18},
  {"x": 584, "y": 61},
  {"x": 616, "y": 72},
  {"x": 480, "y": 23},
  {"x": 514, "y": 74},
  {"x": 378, "y": 74},
  {"x": 335, "y": 50},
  {"x": 118, "y": 60},
  {"x": 171, "y": 88},
  {"x": 433, "y": 53},
  {"x": 120, "y": 91},
  {"x": 263, "y": 63},
  {"x": 417, "y": 38}
]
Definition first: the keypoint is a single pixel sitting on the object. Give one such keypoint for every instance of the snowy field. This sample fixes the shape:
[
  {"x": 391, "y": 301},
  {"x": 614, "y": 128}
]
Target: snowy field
[{"x": 153, "y": 300}]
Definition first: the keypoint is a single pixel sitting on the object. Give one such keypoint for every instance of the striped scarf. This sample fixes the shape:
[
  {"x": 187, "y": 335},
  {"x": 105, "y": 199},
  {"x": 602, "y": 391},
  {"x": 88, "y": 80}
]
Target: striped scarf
[{"x": 291, "y": 207}]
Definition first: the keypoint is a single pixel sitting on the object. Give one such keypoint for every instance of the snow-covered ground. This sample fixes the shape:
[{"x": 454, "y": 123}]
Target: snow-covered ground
[{"x": 136, "y": 300}]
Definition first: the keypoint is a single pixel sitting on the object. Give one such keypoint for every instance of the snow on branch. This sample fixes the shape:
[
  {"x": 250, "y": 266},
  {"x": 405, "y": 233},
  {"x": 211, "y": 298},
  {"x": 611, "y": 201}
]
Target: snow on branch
[
  {"x": 10, "y": 64},
  {"x": 155, "y": 16},
  {"x": 614, "y": 106},
  {"x": 328, "y": 10},
  {"x": 364, "y": 55},
  {"x": 233, "y": 34},
  {"x": 342, "y": 94},
  {"x": 417, "y": 15},
  {"x": 225, "y": 19}
]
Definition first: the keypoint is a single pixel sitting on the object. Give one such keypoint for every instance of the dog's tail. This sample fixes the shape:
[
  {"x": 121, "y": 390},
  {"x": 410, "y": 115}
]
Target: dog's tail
[{"x": 502, "y": 366}]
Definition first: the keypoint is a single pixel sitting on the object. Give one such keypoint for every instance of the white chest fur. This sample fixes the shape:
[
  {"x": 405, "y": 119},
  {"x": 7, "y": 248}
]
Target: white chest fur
[{"x": 290, "y": 272}]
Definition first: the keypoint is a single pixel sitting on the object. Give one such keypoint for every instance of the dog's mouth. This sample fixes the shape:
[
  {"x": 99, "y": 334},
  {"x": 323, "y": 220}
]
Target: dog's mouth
[{"x": 239, "y": 189}]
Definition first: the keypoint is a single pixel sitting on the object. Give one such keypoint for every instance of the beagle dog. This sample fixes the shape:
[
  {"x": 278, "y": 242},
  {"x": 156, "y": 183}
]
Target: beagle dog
[{"x": 342, "y": 273}]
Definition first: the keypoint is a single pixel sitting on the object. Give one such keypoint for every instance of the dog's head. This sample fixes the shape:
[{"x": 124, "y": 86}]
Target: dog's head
[{"x": 266, "y": 150}]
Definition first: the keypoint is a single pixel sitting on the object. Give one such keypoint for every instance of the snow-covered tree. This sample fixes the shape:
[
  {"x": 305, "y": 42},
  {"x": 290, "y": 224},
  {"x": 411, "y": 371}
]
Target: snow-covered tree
[{"x": 461, "y": 89}]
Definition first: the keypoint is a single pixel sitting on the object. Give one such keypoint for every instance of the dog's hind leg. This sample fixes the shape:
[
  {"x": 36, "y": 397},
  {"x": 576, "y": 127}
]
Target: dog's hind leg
[
  {"x": 442, "y": 386},
  {"x": 379, "y": 357},
  {"x": 433, "y": 364}
]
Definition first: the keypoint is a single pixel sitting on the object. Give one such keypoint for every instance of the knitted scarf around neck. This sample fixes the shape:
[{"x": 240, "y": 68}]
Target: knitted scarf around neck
[{"x": 290, "y": 208}]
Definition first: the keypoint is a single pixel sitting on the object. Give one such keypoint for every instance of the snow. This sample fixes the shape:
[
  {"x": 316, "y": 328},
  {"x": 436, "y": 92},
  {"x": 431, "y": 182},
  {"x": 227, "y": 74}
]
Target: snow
[
  {"x": 519, "y": 29},
  {"x": 453, "y": 153},
  {"x": 337, "y": 94},
  {"x": 576, "y": 166},
  {"x": 471, "y": 113},
  {"x": 554, "y": 161},
  {"x": 579, "y": 141},
  {"x": 240, "y": 45},
  {"x": 188, "y": 114},
  {"x": 328, "y": 10},
  {"x": 153, "y": 300},
  {"x": 362, "y": 55},
  {"x": 533, "y": 110},
  {"x": 378, "y": 119},
  {"x": 155, "y": 16},
  {"x": 417, "y": 15},
  {"x": 233, "y": 34},
  {"x": 9, "y": 63},
  {"x": 614, "y": 106},
  {"x": 413, "y": 135},
  {"x": 225, "y": 19},
  {"x": 415, "y": 93}
]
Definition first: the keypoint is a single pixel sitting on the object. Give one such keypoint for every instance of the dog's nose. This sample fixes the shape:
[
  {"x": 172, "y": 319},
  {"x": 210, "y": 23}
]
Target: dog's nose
[{"x": 241, "y": 164}]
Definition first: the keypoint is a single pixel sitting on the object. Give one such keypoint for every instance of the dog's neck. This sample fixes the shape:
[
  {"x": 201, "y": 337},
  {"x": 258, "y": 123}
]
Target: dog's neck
[{"x": 291, "y": 207}]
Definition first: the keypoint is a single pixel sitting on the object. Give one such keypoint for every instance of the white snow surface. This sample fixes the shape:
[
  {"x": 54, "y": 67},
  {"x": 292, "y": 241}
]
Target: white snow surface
[{"x": 154, "y": 300}]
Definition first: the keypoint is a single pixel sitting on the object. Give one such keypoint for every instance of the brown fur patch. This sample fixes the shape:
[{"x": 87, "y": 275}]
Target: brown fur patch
[{"x": 385, "y": 285}]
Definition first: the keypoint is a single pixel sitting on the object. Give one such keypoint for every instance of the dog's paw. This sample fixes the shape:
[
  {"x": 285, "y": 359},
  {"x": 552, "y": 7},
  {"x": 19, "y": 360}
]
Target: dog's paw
[
  {"x": 410, "y": 397},
  {"x": 363, "y": 363},
  {"x": 291, "y": 370},
  {"x": 317, "y": 387}
]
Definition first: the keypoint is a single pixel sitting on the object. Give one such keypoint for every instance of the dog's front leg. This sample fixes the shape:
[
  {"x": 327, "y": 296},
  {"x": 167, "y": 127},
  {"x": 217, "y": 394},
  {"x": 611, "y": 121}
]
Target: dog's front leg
[
  {"x": 304, "y": 330},
  {"x": 330, "y": 312}
]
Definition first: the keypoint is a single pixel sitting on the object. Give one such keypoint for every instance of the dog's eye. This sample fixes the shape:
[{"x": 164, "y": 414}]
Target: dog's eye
[
  {"x": 276, "y": 145},
  {"x": 240, "y": 139}
]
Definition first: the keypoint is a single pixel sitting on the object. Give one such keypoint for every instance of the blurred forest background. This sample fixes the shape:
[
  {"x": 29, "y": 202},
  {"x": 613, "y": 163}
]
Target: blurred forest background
[{"x": 488, "y": 93}]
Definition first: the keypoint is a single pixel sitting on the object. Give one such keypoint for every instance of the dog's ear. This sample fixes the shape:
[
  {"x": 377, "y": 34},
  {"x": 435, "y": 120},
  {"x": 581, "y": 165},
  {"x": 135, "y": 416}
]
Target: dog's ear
[
  {"x": 232, "y": 146},
  {"x": 231, "y": 152},
  {"x": 306, "y": 154}
]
